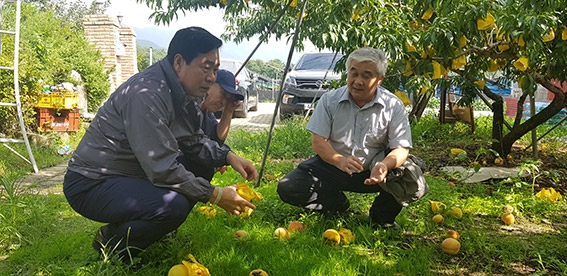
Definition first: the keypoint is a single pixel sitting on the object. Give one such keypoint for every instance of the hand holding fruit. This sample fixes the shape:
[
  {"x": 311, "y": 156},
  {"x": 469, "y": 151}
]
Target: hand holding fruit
[{"x": 231, "y": 201}]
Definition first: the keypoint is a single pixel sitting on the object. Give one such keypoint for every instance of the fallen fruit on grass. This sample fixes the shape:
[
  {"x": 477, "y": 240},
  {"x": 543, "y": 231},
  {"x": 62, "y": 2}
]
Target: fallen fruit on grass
[
  {"x": 296, "y": 226},
  {"x": 258, "y": 272},
  {"x": 453, "y": 234},
  {"x": 332, "y": 236},
  {"x": 208, "y": 211},
  {"x": 178, "y": 270},
  {"x": 438, "y": 218},
  {"x": 437, "y": 206},
  {"x": 508, "y": 218},
  {"x": 457, "y": 151},
  {"x": 189, "y": 268},
  {"x": 499, "y": 161},
  {"x": 241, "y": 235},
  {"x": 455, "y": 212},
  {"x": 451, "y": 246},
  {"x": 346, "y": 235},
  {"x": 508, "y": 209},
  {"x": 281, "y": 233}
]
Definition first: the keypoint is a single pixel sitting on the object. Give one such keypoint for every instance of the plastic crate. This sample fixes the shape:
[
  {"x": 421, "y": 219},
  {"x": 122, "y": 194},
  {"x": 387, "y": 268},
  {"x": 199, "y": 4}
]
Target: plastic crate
[
  {"x": 52, "y": 119},
  {"x": 44, "y": 101}
]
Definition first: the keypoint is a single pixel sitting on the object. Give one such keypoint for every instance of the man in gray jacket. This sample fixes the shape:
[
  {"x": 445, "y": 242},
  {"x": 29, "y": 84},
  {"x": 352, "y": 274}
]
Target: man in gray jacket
[{"x": 126, "y": 170}]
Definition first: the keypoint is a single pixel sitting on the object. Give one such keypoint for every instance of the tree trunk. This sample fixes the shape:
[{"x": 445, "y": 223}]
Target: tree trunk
[{"x": 504, "y": 146}]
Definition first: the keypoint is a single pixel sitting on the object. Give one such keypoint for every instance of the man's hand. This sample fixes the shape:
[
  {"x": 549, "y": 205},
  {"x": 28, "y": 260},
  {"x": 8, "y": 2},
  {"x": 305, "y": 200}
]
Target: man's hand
[
  {"x": 222, "y": 169},
  {"x": 231, "y": 105},
  {"x": 232, "y": 202},
  {"x": 350, "y": 164},
  {"x": 377, "y": 174},
  {"x": 242, "y": 166}
]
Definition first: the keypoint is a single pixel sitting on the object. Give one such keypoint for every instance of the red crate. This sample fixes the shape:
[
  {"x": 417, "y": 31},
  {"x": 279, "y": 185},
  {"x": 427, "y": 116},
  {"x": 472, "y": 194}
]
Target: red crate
[{"x": 51, "y": 119}]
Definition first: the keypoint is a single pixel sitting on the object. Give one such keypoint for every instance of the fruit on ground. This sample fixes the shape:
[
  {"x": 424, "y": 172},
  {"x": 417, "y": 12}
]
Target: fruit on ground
[
  {"x": 296, "y": 226},
  {"x": 455, "y": 212},
  {"x": 178, "y": 270},
  {"x": 241, "y": 235},
  {"x": 346, "y": 235},
  {"x": 332, "y": 236},
  {"x": 453, "y": 234},
  {"x": 437, "y": 206},
  {"x": 508, "y": 218},
  {"x": 508, "y": 209},
  {"x": 258, "y": 272},
  {"x": 281, "y": 233},
  {"x": 451, "y": 246},
  {"x": 499, "y": 161},
  {"x": 438, "y": 218}
]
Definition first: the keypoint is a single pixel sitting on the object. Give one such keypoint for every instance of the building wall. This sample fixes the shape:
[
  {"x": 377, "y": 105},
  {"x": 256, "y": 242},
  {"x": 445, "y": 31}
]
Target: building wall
[{"x": 117, "y": 45}]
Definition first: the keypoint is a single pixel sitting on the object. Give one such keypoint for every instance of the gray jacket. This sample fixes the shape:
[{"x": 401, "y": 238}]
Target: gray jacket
[{"x": 142, "y": 128}]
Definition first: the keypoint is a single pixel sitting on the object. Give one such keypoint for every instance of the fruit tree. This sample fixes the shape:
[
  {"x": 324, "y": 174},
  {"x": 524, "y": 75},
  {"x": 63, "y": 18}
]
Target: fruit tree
[{"x": 432, "y": 44}]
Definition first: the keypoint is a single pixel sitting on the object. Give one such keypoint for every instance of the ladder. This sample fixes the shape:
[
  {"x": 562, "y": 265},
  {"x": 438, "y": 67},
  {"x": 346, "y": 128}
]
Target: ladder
[{"x": 17, "y": 104}]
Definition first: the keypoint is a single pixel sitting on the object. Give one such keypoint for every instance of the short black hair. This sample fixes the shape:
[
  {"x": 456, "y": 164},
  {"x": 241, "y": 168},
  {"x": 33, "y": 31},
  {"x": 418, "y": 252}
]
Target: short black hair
[{"x": 191, "y": 42}]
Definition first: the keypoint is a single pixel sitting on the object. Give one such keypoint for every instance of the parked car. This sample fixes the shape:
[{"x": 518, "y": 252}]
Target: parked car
[
  {"x": 307, "y": 81},
  {"x": 245, "y": 84}
]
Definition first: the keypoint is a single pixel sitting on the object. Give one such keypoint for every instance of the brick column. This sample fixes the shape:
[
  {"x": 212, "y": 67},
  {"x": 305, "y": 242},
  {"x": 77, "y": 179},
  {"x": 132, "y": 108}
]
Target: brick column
[
  {"x": 117, "y": 45},
  {"x": 128, "y": 61}
]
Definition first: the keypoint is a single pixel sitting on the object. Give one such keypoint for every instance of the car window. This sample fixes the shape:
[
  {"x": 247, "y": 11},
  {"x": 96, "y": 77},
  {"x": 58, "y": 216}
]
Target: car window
[{"x": 317, "y": 61}]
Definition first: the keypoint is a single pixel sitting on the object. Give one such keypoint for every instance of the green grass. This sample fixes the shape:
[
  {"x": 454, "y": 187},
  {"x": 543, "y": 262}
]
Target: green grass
[{"x": 41, "y": 235}]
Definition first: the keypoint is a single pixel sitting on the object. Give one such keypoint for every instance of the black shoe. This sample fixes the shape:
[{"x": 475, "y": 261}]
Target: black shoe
[
  {"x": 100, "y": 243},
  {"x": 393, "y": 225}
]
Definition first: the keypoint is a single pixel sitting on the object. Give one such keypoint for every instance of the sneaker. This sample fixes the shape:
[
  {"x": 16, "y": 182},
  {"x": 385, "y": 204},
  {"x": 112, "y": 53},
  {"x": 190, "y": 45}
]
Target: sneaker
[{"x": 393, "y": 225}]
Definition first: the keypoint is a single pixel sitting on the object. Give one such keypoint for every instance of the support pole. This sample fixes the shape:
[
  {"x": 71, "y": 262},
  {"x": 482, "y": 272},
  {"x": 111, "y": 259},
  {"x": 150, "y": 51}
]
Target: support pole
[{"x": 279, "y": 99}]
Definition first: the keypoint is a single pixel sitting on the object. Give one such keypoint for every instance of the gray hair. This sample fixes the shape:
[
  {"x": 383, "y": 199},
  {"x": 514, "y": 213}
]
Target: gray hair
[{"x": 378, "y": 57}]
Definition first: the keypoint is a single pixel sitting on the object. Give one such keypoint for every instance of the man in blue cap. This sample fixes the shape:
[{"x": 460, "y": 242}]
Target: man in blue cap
[{"x": 224, "y": 97}]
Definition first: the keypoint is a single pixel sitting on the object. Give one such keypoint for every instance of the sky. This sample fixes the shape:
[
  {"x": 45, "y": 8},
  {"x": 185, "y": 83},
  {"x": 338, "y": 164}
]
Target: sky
[{"x": 136, "y": 15}]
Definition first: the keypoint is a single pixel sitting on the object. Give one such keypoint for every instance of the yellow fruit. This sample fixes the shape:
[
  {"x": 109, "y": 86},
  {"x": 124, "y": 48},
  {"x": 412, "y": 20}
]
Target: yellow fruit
[
  {"x": 258, "y": 272},
  {"x": 499, "y": 161},
  {"x": 437, "y": 206},
  {"x": 457, "y": 151},
  {"x": 178, "y": 270},
  {"x": 462, "y": 41},
  {"x": 508, "y": 218},
  {"x": 427, "y": 14},
  {"x": 296, "y": 226},
  {"x": 332, "y": 235},
  {"x": 522, "y": 63},
  {"x": 438, "y": 218},
  {"x": 281, "y": 233},
  {"x": 346, "y": 235},
  {"x": 293, "y": 4},
  {"x": 549, "y": 37},
  {"x": 455, "y": 212},
  {"x": 453, "y": 234},
  {"x": 486, "y": 22},
  {"x": 508, "y": 209},
  {"x": 246, "y": 192},
  {"x": 451, "y": 246},
  {"x": 241, "y": 235}
]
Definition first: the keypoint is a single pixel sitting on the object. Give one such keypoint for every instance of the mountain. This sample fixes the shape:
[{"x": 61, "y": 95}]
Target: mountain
[
  {"x": 160, "y": 37},
  {"x": 147, "y": 43}
]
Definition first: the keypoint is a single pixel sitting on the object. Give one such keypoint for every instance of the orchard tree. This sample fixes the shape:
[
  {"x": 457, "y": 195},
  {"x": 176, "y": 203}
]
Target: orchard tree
[{"x": 431, "y": 43}]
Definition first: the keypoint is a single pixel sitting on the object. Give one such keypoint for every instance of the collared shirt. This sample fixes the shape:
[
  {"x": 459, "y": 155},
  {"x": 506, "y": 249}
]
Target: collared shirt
[
  {"x": 140, "y": 131},
  {"x": 365, "y": 132}
]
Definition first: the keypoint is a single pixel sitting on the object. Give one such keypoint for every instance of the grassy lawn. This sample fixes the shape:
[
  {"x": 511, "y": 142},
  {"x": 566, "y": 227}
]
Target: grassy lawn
[{"x": 41, "y": 235}]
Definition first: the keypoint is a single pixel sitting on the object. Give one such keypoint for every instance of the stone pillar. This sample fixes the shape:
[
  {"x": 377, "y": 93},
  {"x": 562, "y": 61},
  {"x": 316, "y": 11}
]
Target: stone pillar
[
  {"x": 128, "y": 61},
  {"x": 117, "y": 45}
]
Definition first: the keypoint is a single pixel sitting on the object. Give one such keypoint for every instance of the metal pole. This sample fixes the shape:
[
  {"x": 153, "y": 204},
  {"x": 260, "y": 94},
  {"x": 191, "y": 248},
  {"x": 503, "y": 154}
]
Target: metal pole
[
  {"x": 279, "y": 99},
  {"x": 264, "y": 37}
]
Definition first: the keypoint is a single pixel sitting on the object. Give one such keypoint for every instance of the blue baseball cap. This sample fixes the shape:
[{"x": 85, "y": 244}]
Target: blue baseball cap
[{"x": 227, "y": 81}]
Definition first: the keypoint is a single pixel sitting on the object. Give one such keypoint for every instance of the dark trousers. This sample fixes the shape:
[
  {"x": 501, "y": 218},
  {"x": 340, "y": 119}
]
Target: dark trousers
[
  {"x": 318, "y": 185},
  {"x": 137, "y": 212}
]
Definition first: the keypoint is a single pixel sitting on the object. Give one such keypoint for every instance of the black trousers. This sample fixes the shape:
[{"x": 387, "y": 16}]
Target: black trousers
[
  {"x": 318, "y": 185},
  {"x": 137, "y": 212}
]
